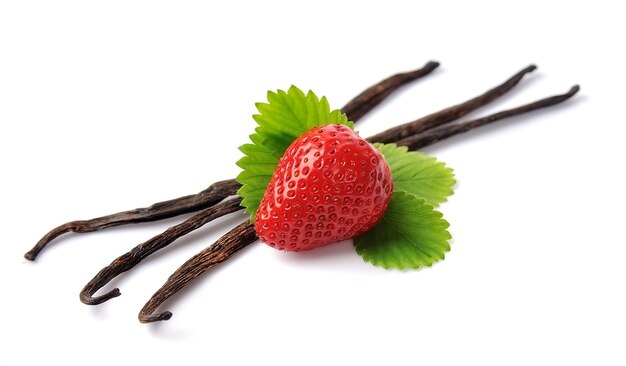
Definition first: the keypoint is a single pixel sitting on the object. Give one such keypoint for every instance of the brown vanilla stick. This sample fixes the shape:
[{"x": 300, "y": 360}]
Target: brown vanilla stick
[
  {"x": 449, "y": 114},
  {"x": 358, "y": 106},
  {"x": 372, "y": 96},
  {"x": 429, "y": 137},
  {"x": 244, "y": 234},
  {"x": 130, "y": 259},
  {"x": 236, "y": 239},
  {"x": 158, "y": 211},
  {"x": 361, "y": 104}
]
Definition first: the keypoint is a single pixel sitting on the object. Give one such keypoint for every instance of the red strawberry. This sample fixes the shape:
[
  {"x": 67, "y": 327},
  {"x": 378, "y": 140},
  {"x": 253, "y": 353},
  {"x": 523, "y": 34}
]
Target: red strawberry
[{"x": 330, "y": 185}]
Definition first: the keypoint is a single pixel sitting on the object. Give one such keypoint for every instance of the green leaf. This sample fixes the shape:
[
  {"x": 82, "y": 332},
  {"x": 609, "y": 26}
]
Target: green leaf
[
  {"x": 287, "y": 115},
  {"x": 419, "y": 174},
  {"x": 411, "y": 234},
  {"x": 258, "y": 166},
  {"x": 281, "y": 120}
]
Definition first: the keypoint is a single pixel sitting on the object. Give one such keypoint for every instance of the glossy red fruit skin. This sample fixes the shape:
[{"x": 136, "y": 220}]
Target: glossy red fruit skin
[{"x": 330, "y": 185}]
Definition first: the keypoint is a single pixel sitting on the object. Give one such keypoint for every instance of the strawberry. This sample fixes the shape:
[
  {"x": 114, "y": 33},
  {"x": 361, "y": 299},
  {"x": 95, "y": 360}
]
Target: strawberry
[{"x": 330, "y": 185}]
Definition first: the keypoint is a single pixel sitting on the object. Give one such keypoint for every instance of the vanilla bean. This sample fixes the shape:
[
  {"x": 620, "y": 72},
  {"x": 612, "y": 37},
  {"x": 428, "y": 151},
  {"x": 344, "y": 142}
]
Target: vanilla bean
[
  {"x": 363, "y": 103},
  {"x": 449, "y": 114},
  {"x": 372, "y": 96},
  {"x": 142, "y": 251},
  {"x": 355, "y": 109},
  {"x": 429, "y": 137},
  {"x": 234, "y": 241},
  {"x": 158, "y": 211}
]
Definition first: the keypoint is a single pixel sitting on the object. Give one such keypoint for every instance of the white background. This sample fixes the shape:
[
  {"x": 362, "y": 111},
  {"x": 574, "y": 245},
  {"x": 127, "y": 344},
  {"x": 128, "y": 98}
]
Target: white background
[{"x": 106, "y": 106}]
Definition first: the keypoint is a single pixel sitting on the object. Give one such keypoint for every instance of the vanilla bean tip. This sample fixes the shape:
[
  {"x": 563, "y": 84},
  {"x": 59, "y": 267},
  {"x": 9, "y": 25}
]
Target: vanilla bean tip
[
  {"x": 575, "y": 89},
  {"x": 32, "y": 254},
  {"x": 166, "y": 315},
  {"x": 97, "y": 300}
]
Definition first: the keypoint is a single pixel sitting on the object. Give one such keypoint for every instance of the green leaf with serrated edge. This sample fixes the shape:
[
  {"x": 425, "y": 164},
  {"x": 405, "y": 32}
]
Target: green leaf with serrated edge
[
  {"x": 411, "y": 234},
  {"x": 281, "y": 120},
  {"x": 419, "y": 174},
  {"x": 258, "y": 165},
  {"x": 287, "y": 115}
]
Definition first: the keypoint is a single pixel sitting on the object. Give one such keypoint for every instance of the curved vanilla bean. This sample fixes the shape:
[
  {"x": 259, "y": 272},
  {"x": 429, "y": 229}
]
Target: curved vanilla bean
[
  {"x": 355, "y": 109},
  {"x": 158, "y": 211},
  {"x": 127, "y": 261},
  {"x": 360, "y": 105},
  {"x": 449, "y": 114},
  {"x": 220, "y": 190},
  {"x": 233, "y": 241},
  {"x": 429, "y": 137},
  {"x": 236, "y": 239},
  {"x": 372, "y": 96}
]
